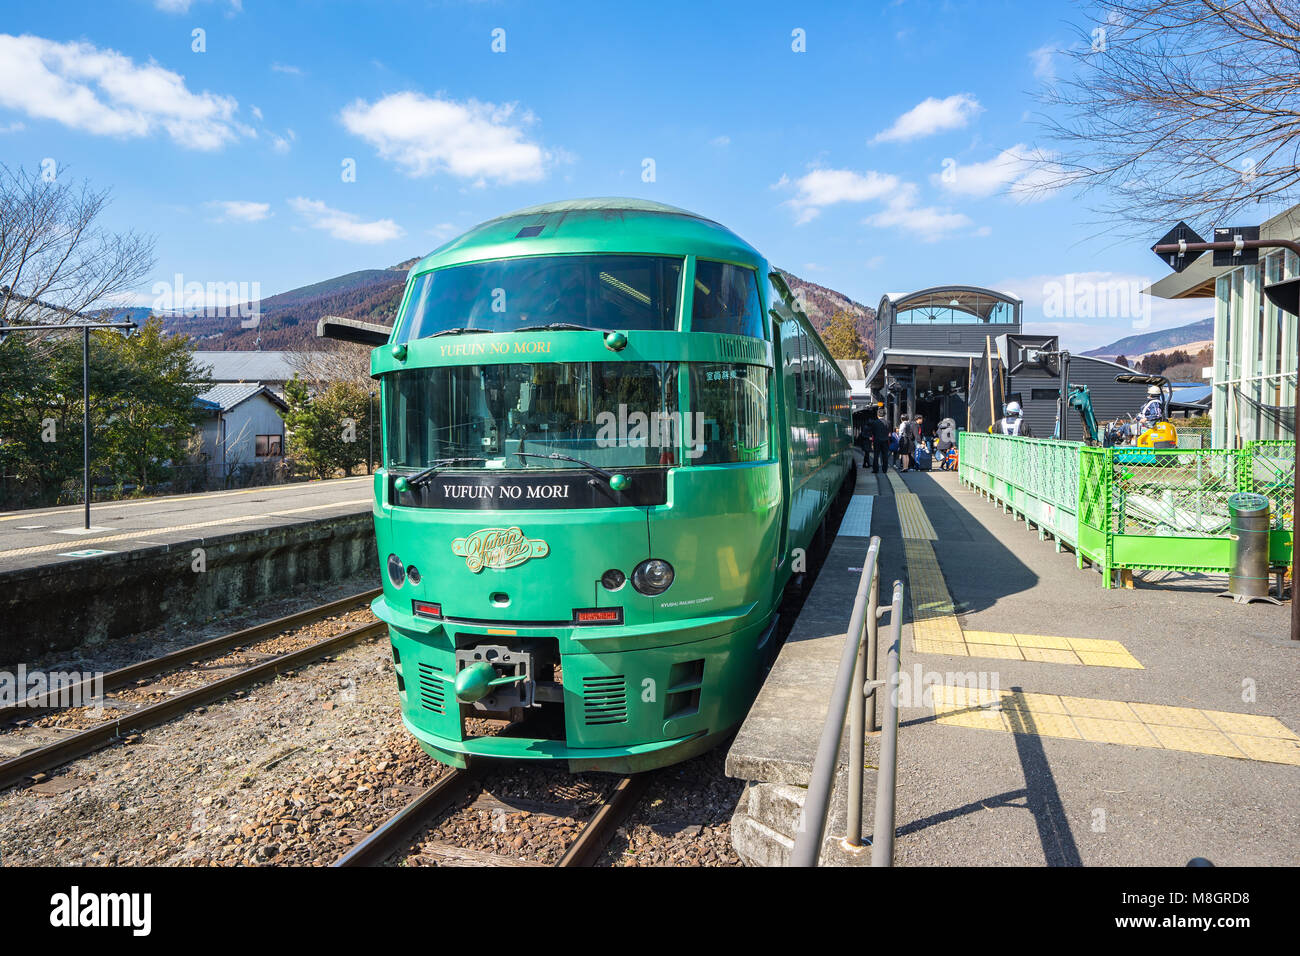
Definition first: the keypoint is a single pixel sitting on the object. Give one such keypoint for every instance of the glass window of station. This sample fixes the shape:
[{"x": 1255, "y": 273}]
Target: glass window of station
[
  {"x": 956, "y": 308},
  {"x": 602, "y": 292}
]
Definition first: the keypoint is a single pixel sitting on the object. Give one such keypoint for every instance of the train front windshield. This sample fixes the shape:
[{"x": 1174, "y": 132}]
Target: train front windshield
[
  {"x": 610, "y": 414},
  {"x": 585, "y": 410},
  {"x": 603, "y": 292}
]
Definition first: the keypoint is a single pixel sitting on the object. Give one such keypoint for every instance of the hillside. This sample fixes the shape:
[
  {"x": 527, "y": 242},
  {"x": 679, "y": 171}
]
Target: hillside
[
  {"x": 821, "y": 303},
  {"x": 1157, "y": 341},
  {"x": 288, "y": 319}
]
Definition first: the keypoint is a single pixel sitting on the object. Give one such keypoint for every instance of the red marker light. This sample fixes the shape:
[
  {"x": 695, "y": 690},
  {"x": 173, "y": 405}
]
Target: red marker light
[{"x": 426, "y": 609}]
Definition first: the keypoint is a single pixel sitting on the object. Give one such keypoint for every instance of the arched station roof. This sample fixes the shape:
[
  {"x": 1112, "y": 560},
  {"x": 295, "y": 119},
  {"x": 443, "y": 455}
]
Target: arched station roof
[{"x": 954, "y": 301}]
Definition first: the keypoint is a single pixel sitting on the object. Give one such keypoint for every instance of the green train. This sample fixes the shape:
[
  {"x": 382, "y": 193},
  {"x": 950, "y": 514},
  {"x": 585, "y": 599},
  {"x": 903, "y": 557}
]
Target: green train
[{"x": 610, "y": 436}]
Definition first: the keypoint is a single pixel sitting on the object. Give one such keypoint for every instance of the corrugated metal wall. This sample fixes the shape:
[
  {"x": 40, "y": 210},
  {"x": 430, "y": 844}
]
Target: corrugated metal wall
[{"x": 1110, "y": 399}]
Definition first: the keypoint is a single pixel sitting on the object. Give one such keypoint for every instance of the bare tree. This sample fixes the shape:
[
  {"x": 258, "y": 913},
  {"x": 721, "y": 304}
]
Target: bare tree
[
  {"x": 325, "y": 360},
  {"x": 1181, "y": 109},
  {"x": 55, "y": 260}
]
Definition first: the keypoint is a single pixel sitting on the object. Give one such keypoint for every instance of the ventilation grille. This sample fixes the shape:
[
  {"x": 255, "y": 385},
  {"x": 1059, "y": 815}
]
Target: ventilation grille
[
  {"x": 604, "y": 700},
  {"x": 432, "y": 689}
]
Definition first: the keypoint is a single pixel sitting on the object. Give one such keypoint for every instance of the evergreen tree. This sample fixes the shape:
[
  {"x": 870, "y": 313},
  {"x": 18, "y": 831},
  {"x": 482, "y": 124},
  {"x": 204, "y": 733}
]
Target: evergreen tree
[{"x": 842, "y": 338}]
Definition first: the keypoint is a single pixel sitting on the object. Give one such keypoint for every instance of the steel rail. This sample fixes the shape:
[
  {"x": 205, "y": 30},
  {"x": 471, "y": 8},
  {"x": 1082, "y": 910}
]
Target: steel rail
[
  {"x": 398, "y": 829},
  {"x": 595, "y": 834},
  {"x": 97, "y": 737},
  {"x": 42, "y": 703}
]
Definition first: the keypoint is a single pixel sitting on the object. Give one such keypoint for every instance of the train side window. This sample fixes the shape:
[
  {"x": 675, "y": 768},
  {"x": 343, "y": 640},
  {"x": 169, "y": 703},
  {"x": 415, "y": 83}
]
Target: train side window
[
  {"x": 726, "y": 300},
  {"x": 732, "y": 402}
]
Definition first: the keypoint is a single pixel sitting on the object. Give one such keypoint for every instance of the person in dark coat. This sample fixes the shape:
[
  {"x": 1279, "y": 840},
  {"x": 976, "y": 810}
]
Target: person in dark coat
[{"x": 879, "y": 441}]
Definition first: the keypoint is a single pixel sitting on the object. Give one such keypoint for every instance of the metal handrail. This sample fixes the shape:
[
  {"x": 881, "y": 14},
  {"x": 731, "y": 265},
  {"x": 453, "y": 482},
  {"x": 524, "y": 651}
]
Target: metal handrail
[{"x": 851, "y": 689}]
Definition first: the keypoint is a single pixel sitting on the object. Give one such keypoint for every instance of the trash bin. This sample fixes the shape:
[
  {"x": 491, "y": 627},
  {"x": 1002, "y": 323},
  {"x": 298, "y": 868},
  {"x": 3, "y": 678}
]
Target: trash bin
[{"x": 1248, "y": 521}]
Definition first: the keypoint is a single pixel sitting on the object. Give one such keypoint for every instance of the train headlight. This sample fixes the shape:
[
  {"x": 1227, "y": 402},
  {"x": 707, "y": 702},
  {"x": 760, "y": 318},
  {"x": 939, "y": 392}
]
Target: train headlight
[
  {"x": 653, "y": 576},
  {"x": 612, "y": 579},
  {"x": 396, "y": 571}
]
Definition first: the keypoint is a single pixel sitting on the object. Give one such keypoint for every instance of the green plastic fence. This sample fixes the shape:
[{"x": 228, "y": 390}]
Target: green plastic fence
[{"x": 1133, "y": 508}]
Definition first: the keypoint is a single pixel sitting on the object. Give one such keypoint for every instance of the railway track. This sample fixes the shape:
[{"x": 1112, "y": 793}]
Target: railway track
[
  {"x": 102, "y": 735},
  {"x": 399, "y": 830},
  {"x": 37, "y": 704}
]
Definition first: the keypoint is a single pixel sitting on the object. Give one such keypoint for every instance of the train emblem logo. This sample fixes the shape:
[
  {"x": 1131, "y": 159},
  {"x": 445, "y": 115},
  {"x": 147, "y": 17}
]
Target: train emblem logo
[{"x": 498, "y": 548}]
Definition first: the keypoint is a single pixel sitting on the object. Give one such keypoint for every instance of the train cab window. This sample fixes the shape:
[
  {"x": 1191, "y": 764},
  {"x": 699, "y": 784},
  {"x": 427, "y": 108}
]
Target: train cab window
[
  {"x": 731, "y": 403},
  {"x": 726, "y": 300},
  {"x": 605, "y": 292}
]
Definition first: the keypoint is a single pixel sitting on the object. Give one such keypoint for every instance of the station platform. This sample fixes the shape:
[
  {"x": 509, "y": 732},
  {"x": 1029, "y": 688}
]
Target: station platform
[
  {"x": 56, "y": 535},
  {"x": 147, "y": 561},
  {"x": 1064, "y": 724}
]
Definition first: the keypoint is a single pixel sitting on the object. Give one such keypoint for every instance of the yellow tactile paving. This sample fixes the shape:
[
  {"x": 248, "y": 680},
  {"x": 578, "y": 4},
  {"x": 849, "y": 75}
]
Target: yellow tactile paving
[
  {"x": 1043, "y": 640},
  {"x": 1050, "y": 655},
  {"x": 1252, "y": 724},
  {"x": 1044, "y": 649},
  {"x": 936, "y": 630},
  {"x": 912, "y": 517},
  {"x": 997, "y": 651},
  {"x": 989, "y": 637},
  {"x": 1156, "y": 726}
]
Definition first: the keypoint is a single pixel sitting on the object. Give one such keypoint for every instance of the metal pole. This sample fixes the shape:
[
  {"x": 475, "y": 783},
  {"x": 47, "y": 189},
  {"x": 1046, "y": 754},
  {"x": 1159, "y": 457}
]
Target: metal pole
[
  {"x": 370, "y": 432},
  {"x": 85, "y": 418},
  {"x": 857, "y": 748},
  {"x": 873, "y": 632},
  {"x": 882, "y": 848},
  {"x": 1295, "y": 497},
  {"x": 816, "y": 804}
]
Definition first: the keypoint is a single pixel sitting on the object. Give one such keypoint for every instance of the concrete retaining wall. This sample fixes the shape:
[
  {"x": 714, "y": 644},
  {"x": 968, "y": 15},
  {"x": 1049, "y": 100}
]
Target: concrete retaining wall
[{"x": 58, "y": 606}]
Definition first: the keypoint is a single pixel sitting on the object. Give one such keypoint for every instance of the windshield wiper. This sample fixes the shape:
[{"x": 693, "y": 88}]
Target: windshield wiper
[
  {"x": 454, "y": 332},
  {"x": 616, "y": 481},
  {"x": 416, "y": 480},
  {"x": 556, "y": 327}
]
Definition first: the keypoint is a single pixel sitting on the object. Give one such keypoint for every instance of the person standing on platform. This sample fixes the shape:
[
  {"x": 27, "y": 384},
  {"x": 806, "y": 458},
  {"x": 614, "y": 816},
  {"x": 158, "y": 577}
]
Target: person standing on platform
[{"x": 879, "y": 442}]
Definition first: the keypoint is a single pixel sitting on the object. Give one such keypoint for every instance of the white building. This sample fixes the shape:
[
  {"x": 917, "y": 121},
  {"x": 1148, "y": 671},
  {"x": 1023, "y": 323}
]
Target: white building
[
  {"x": 1254, "y": 374},
  {"x": 244, "y": 425}
]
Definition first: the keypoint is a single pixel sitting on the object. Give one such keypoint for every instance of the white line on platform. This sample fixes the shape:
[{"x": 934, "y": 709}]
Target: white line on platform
[{"x": 856, "y": 522}]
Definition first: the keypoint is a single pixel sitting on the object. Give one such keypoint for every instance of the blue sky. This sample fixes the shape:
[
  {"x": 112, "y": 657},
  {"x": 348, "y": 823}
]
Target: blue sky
[{"x": 830, "y": 160}]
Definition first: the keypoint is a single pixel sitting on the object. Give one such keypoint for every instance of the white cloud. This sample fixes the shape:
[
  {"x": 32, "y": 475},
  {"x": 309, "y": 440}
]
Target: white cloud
[
  {"x": 1090, "y": 309},
  {"x": 825, "y": 187},
  {"x": 471, "y": 140},
  {"x": 240, "y": 210},
  {"x": 720, "y": 141},
  {"x": 931, "y": 116},
  {"x": 345, "y": 225},
  {"x": 1023, "y": 173},
  {"x": 13, "y": 127},
  {"x": 1044, "y": 64},
  {"x": 928, "y": 223},
  {"x": 281, "y": 144},
  {"x": 101, "y": 91},
  {"x": 286, "y": 68},
  {"x": 183, "y": 6}
]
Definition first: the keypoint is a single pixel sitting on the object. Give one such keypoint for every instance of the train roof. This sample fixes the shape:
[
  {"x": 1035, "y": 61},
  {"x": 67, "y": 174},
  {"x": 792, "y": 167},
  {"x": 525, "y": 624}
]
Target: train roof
[{"x": 610, "y": 224}]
